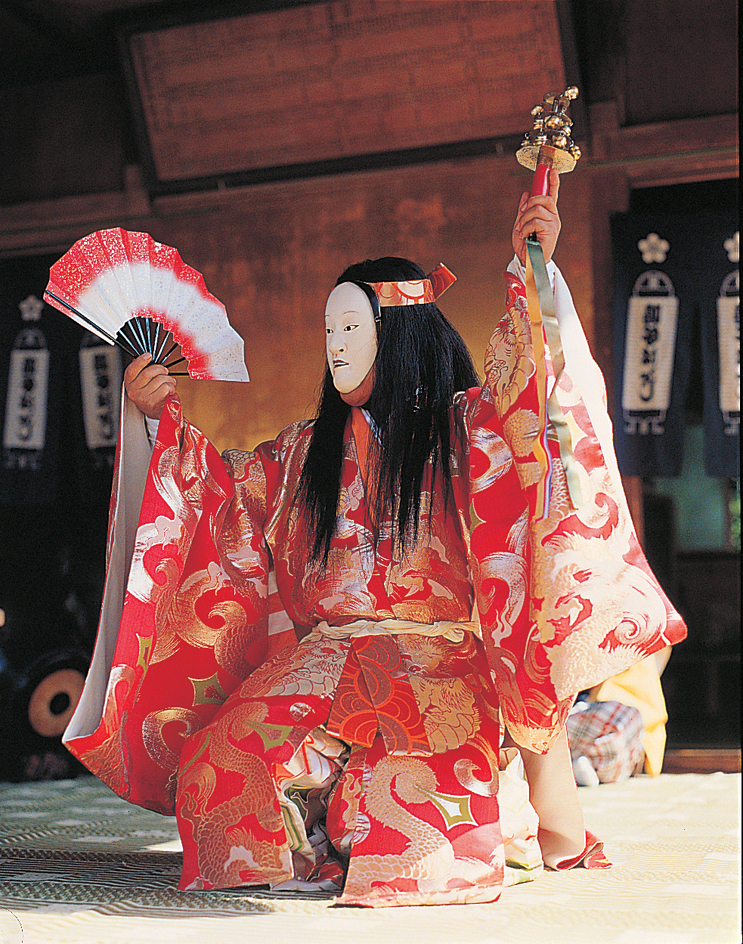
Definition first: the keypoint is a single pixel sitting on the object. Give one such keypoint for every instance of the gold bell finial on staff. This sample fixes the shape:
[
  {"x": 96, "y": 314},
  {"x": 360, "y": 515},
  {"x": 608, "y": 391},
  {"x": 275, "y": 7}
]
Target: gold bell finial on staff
[{"x": 549, "y": 144}]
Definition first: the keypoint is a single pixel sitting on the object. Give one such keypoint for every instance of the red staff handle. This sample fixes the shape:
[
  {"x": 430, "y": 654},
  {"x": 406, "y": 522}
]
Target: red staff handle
[
  {"x": 546, "y": 159},
  {"x": 540, "y": 186}
]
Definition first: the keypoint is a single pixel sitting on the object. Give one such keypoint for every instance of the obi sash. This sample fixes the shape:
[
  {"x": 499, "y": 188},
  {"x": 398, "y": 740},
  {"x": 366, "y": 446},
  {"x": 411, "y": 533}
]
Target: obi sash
[{"x": 374, "y": 694}]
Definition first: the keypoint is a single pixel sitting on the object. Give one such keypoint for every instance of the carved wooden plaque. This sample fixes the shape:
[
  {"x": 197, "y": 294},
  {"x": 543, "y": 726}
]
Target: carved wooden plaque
[{"x": 339, "y": 80}]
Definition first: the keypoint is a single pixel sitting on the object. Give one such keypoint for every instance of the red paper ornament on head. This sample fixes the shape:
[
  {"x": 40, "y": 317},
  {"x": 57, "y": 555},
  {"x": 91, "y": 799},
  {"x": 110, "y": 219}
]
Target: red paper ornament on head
[{"x": 418, "y": 292}]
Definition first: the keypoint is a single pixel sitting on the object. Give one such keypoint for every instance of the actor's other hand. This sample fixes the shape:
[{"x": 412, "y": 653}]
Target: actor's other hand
[
  {"x": 538, "y": 215},
  {"x": 148, "y": 385}
]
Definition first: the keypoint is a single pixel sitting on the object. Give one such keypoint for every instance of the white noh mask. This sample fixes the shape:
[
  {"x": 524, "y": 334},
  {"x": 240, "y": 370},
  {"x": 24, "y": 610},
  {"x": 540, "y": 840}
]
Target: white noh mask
[{"x": 350, "y": 336}]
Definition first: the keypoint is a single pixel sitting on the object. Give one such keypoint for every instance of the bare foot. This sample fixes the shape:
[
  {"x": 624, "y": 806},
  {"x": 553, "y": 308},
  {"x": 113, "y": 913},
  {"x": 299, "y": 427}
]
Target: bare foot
[{"x": 554, "y": 795}]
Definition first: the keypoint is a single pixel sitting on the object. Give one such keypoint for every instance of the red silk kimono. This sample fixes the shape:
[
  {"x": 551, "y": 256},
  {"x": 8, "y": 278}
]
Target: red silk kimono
[{"x": 210, "y": 700}]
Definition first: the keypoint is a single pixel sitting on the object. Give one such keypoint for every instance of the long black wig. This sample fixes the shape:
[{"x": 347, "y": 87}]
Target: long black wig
[{"x": 421, "y": 363}]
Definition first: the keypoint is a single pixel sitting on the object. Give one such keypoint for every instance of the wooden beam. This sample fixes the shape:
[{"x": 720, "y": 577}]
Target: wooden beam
[
  {"x": 702, "y": 761},
  {"x": 669, "y": 152},
  {"x": 48, "y": 225}
]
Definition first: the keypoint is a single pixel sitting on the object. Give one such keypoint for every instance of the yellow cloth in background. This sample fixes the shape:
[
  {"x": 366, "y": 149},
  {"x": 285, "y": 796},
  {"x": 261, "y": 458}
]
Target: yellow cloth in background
[{"x": 639, "y": 686}]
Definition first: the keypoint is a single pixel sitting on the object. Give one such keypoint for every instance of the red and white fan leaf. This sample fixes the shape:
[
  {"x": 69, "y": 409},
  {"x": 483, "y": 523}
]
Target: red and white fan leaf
[{"x": 113, "y": 276}]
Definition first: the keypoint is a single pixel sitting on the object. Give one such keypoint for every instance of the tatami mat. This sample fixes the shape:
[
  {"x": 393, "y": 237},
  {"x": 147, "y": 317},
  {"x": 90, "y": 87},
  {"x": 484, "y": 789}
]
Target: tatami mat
[{"x": 80, "y": 866}]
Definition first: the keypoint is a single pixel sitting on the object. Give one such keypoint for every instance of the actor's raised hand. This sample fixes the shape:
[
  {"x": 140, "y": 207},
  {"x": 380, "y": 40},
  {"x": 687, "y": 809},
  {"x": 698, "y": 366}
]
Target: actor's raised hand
[
  {"x": 538, "y": 215},
  {"x": 148, "y": 385}
]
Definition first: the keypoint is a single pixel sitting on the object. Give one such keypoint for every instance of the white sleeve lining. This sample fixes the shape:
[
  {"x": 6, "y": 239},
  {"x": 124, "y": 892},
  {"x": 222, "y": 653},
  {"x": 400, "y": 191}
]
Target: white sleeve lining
[{"x": 152, "y": 427}]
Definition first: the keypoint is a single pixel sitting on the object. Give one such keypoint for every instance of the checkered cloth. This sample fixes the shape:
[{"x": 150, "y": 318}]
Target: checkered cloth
[{"x": 610, "y": 735}]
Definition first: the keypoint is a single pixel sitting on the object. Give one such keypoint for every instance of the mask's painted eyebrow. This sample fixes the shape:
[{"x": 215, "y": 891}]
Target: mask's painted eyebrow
[{"x": 344, "y": 314}]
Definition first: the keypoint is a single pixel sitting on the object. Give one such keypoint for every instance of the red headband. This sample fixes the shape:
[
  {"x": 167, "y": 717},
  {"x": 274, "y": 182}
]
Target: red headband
[{"x": 419, "y": 292}]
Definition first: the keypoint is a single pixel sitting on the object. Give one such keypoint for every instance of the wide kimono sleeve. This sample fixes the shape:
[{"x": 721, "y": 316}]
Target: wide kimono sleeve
[
  {"x": 565, "y": 596},
  {"x": 185, "y": 615}
]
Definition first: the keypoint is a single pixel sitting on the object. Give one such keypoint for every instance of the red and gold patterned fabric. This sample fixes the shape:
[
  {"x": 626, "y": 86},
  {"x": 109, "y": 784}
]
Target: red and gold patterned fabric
[
  {"x": 384, "y": 716},
  {"x": 419, "y": 292}
]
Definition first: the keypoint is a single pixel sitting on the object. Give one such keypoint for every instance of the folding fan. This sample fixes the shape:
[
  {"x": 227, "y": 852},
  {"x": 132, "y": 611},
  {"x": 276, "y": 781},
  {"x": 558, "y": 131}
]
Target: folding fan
[{"x": 132, "y": 291}]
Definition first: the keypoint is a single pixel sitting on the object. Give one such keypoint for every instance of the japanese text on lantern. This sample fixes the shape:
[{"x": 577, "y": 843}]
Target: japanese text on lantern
[
  {"x": 652, "y": 314},
  {"x": 25, "y": 412},
  {"x": 649, "y": 352},
  {"x": 100, "y": 381}
]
